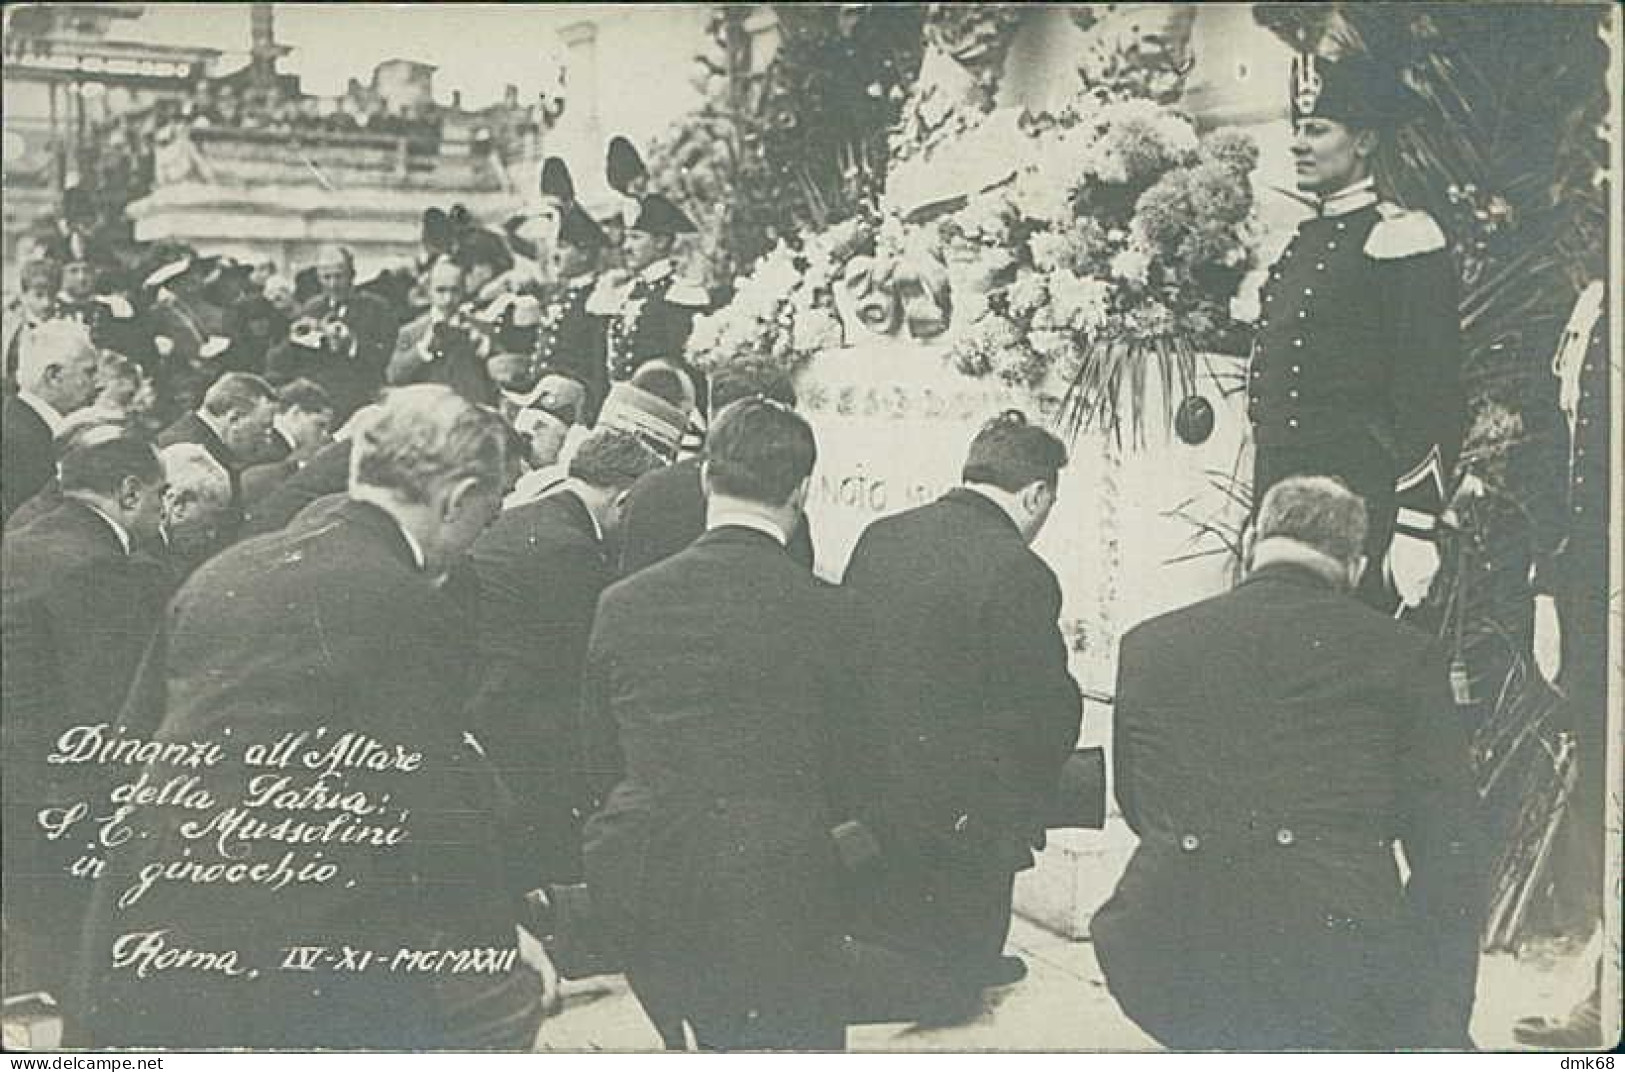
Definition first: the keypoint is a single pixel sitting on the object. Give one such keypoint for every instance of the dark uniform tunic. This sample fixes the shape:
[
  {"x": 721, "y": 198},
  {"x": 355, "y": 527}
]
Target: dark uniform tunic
[
  {"x": 1575, "y": 574},
  {"x": 1356, "y": 366},
  {"x": 575, "y": 341},
  {"x": 652, "y": 320}
]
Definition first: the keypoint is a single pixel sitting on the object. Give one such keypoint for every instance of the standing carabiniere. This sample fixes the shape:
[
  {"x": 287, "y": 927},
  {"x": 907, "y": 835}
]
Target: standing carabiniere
[{"x": 1356, "y": 364}]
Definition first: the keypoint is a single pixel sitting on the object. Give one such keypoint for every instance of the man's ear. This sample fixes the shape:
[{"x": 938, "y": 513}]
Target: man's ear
[
  {"x": 1032, "y": 497},
  {"x": 456, "y": 495},
  {"x": 129, "y": 493},
  {"x": 798, "y": 497},
  {"x": 1365, "y": 144}
]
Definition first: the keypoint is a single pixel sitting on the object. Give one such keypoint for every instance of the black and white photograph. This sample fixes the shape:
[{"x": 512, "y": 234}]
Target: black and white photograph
[{"x": 889, "y": 527}]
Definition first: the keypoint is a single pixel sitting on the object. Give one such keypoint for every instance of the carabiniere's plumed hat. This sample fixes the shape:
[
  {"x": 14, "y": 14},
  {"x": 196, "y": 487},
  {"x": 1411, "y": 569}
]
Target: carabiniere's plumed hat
[
  {"x": 1355, "y": 91},
  {"x": 624, "y": 168},
  {"x": 556, "y": 181},
  {"x": 657, "y": 215}
]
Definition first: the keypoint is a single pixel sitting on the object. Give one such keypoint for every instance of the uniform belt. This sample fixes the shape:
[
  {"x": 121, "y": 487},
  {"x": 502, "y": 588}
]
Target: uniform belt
[{"x": 1200, "y": 841}]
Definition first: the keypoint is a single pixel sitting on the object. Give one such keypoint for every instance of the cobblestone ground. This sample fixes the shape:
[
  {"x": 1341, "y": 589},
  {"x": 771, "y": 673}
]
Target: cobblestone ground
[{"x": 1063, "y": 1005}]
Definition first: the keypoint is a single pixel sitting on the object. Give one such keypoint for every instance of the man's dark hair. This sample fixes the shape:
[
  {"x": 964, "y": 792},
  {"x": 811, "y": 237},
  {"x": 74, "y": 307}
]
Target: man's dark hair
[
  {"x": 664, "y": 382},
  {"x": 1009, "y": 454},
  {"x": 1317, "y": 511},
  {"x": 759, "y": 450},
  {"x": 730, "y": 384},
  {"x": 611, "y": 458},
  {"x": 307, "y": 396},
  {"x": 101, "y": 465},
  {"x": 236, "y": 392}
]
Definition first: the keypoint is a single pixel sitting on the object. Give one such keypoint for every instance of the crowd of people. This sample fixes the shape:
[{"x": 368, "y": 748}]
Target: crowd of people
[{"x": 516, "y": 542}]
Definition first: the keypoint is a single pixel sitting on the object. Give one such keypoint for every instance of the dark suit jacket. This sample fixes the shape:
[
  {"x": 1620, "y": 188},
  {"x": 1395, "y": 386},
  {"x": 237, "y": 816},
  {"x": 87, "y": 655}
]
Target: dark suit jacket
[
  {"x": 459, "y": 367},
  {"x": 326, "y": 628},
  {"x": 1271, "y": 744},
  {"x": 718, "y": 684},
  {"x": 75, "y": 616},
  {"x": 27, "y": 454},
  {"x": 540, "y": 570},
  {"x": 327, "y": 473},
  {"x": 665, "y": 512},
  {"x": 260, "y": 479},
  {"x": 973, "y": 698}
]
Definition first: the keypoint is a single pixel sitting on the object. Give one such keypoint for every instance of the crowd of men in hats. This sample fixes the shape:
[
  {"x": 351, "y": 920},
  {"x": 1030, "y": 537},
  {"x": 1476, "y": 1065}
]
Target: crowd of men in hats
[{"x": 627, "y": 726}]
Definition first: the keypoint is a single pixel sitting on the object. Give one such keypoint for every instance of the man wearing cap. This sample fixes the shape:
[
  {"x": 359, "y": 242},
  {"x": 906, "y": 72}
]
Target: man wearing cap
[
  {"x": 110, "y": 319},
  {"x": 443, "y": 345},
  {"x": 341, "y": 338},
  {"x": 650, "y": 310},
  {"x": 1356, "y": 365},
  {"x": 570, "y": 337}
]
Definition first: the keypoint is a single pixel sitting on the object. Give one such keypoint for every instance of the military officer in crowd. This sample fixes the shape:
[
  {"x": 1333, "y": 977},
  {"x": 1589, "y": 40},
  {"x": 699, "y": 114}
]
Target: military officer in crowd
[
  {"x": 571, "y": 339},
  {"x": 1271, "y": 745},
  {"x": 650, "y": 308},
  {"x": 1356, "y": 366},
  {"x": 1571, "y": 650}
]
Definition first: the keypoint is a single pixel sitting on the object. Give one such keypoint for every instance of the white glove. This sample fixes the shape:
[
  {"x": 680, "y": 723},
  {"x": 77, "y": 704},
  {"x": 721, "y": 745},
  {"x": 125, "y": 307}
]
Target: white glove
[
  {"x": 1548, "y": 638},
  {"x": 532, "y": 953},
  {"x": 1411, "y": 566}
]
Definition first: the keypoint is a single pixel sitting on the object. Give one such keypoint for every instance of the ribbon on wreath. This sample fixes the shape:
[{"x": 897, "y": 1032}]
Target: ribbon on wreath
[{"x": 883, "y": 294}]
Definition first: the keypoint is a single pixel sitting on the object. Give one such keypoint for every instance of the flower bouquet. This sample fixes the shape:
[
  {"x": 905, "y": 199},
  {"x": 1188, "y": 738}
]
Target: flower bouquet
[{"x": 1123, "y": 237}]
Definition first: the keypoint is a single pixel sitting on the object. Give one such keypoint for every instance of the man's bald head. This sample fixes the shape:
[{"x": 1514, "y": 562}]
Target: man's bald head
[
  {"x": 335, "y": 267},
  {"x": 57, "y": 362}
]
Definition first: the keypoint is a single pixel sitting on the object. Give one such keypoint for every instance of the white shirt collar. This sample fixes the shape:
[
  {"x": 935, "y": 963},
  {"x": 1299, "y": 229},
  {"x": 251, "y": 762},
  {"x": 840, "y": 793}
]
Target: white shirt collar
[
  {"x": 523, "y": 399},
  {"x": 748, "y": 521},
  {"x": 119, "y": 530},
  {"x": 1349, "y": 199},
  {"x": 574, "y": 485},
  {"x": 47, "y": 412},
  {"x": 413, "y": 545}
]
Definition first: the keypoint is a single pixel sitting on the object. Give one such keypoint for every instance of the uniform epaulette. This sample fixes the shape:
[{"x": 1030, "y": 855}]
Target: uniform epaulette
[
  {"x": 1401, "y": 233},
  {"x": 118, "y": 306},
  {"x": 688, "y": 294}
]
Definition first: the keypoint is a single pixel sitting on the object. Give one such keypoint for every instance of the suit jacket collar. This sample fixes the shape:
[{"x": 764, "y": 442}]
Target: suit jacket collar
[
  {"x": 43, "y": 410},
  {"x": 573, "y": 511},
  {"x": 1289, "y": 573},
  {"x": 91, "y": 521},
  {"x": 976, "y": 500},
  {"x": 738, "y": 536},
  {"x": 377, "y": 521}
]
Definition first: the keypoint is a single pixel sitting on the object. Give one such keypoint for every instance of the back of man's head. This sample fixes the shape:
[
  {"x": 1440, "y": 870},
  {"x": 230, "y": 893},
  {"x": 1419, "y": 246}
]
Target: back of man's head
[
  {"x": 100, "y": 464},
  {"x": 612, "y": 459},
  {"x": 1010, "y": 454},
  {"x": 730, "y": 384},
  {"x": 423, "y": 437},
  {"x": 759, "y": 451},
  {"x": 1317, "y": 512},
  {"x": 237, "y": 392},
  {"x": 306, "y": 396}
]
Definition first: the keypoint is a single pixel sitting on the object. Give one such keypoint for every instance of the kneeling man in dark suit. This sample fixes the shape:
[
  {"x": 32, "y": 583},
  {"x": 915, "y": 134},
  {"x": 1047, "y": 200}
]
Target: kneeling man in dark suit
[
  {"x": 716, "y": 689},
  {"x": 1272, "y": 746}
]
